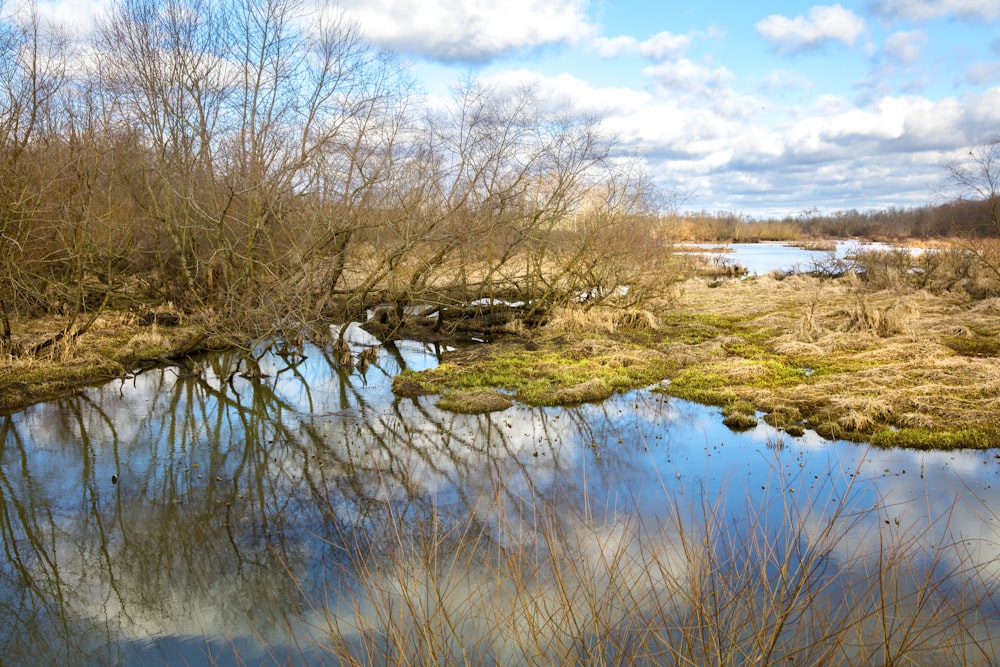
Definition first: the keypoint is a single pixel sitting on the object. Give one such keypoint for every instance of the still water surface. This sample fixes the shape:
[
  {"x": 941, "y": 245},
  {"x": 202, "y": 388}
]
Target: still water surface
[
  {"x": 185, "y": 520},
  {"x": 760, "y": 258}
]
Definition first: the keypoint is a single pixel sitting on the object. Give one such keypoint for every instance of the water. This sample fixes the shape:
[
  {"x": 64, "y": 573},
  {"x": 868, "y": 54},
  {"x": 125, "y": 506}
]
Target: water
[
  {"x": 185, "y": 520},
  {"x": 761, "y": 258}
]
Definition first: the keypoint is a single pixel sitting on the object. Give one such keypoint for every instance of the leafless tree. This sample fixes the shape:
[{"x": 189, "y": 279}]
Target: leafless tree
[
  {"x": 32, "y": 73},
  {"x": 266, "y": 123},
  {"x": 258, "y": 159},
  {"x": 977, "y": 177}
]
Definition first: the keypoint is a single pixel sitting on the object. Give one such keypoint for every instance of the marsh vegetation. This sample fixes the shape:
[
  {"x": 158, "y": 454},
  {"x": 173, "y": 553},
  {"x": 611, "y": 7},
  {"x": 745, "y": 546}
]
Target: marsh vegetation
[
  {"x": 205, "y": 209},
  {"x": 312, "y": 516}
]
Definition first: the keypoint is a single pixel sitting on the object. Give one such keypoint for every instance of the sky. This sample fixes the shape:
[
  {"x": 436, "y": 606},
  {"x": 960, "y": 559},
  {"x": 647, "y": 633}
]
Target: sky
[{"x": 759, "y": 108}]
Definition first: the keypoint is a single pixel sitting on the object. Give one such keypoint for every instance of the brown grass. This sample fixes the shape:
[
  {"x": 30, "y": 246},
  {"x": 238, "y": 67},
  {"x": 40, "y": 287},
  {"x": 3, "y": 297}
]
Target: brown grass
[
  {"x": 881, "y": 359},
  {"x": 474, "y": 402},
  {"x": 826, "y": 579},
  {"x": 115, "y": 345},
  {"x": 591, "y": 390}
]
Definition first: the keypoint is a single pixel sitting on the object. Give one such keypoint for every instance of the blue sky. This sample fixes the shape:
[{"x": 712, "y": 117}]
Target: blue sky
[
  {"x": 758, "y": 108},
  {"x": 761, "y": 108}
]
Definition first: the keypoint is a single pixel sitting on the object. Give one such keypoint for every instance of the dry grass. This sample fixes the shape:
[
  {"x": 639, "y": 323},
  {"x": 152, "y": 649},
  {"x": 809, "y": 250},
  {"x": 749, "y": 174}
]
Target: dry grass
[
  {"x": 599, "y": 320},
  {"x": 874, "y": 359},
  {"x": 853, "y": 363},
  {"x": 819, "y": 580},
  {"x": 115, "y": 344},
  {"x": 589, "y": 390},
  {"x": 474, "y": 402}
]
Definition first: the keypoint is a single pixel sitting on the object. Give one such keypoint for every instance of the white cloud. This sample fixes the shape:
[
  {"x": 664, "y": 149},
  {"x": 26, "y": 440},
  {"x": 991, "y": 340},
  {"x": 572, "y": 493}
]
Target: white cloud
[
  {"x": 468, "y": 30},
  {"x": 904, "y": 48},
  {"x": 831, "y": 153},
  {"x": 683, "y": 75},
  {"x": 824, "y": 23},
  {"x": 565, "y": 92},
  {"x": 892, "y": 125},
  {"x": 77, "y": 17},
  {"x": 663, "y": 45},
  {"x": 923, "y": 10},
  {"x": 983, "y": 113},
  {"x": 611, "y": 47},
  {"x": 660, "y": 46}
]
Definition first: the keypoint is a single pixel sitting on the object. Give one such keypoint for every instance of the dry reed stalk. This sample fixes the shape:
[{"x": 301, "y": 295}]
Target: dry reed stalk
[
  {"x": 595, "y": 320},
  {"x": 816, "y": 576}
]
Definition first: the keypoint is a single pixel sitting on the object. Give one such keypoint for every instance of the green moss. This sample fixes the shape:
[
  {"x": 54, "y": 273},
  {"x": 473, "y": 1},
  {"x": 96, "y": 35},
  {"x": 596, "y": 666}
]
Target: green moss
[
  {"x": 740, "y": 422},
  {"x": 550, "y": 377},
  {"x": 739, "y": 415},
  {"x": 97, "y": 356},
  {"x": 919, "y": 438},
  {"x": 694, "y": 328},
  {"x": 695, "y": 384},
  {"x": 409, "y": 385},
  {"x": 715, "y": 382},
  {"x": 739, "y": 407},
  {"x": 786, "y": 418},
  {"x": 794, "y": 430},
  {"x": 474, "y": 402},
  {"x": 976, "y": 345}
]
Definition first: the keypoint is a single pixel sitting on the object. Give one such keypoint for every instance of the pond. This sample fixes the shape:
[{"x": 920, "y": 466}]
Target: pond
[
  {"x": 761, "y": 258},
  {"x": 312, "y": 517}
]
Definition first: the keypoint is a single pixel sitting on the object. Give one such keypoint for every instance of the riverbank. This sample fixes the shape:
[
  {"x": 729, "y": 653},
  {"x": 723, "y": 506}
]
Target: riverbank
[
  {"x": 899, "y": 368},
  {"x": 115, "y": 345},
  {"x": 910, "y": 369}
]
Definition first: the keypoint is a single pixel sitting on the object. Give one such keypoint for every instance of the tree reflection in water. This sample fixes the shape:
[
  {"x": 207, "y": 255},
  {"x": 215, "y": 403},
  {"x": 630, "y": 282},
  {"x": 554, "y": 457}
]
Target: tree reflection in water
[{"x": 185, "y": 518}]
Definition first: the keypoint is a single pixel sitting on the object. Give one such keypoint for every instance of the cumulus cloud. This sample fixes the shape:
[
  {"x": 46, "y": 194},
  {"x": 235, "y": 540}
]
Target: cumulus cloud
[
  {"x": 77, "y": 17},
  {"x": 660, "y": 46},
  {"x": 904, "y": 48},
  {"x": 663, "y": 45},
  {"x": 683, "y": 75},
  {"x": 892, "y": 124},
  {"x": 700, "y": 135},
  {"x": 827, "y": 154},
  {"x": 923, "y": 10},
  {"x": 611, "y": 47},
  {"x": 565, "y": 92},
  {"x": 466, "y": 30},
  {"x": 823, "y": 24}
]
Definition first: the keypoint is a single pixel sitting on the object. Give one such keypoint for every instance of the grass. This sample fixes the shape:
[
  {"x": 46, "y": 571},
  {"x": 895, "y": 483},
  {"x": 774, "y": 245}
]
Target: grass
[
  {"x": 114, "y": 346},
  {"x": 819, "y": 578},
  {"x": 893, "y": 366},
  {"x": 856, "y": 360},
  {"x": 565, "y": 373},
  {"x": 474, "y": 402},
  {"x": 852, "y": 362},
  {"x": 984, "y": 437}
]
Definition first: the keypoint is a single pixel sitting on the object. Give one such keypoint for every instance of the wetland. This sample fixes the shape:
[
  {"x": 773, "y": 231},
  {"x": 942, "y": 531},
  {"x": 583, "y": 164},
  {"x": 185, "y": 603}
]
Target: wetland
[
  {"x": 601, "y": 512},
  {"x": 315, "y": 516},
  {"x": 555, "y": 429}
]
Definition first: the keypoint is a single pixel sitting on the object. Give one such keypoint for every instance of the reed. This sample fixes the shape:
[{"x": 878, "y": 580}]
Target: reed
[{"x": 803, "y": 571}]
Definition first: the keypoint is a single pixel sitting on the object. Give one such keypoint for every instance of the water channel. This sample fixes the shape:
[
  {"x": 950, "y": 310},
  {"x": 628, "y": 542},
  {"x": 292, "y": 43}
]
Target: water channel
[
  {"x": 760, "y": 258},
  {"x": 176, "y": 519}
]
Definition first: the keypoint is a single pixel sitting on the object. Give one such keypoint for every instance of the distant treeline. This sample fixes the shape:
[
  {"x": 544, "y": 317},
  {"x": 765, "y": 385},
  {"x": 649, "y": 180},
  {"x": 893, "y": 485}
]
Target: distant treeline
[{"x": 969, "y": 219}]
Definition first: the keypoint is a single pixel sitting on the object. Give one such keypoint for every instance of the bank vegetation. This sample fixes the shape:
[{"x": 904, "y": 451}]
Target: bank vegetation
[{"x": 236, "y": 172}]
